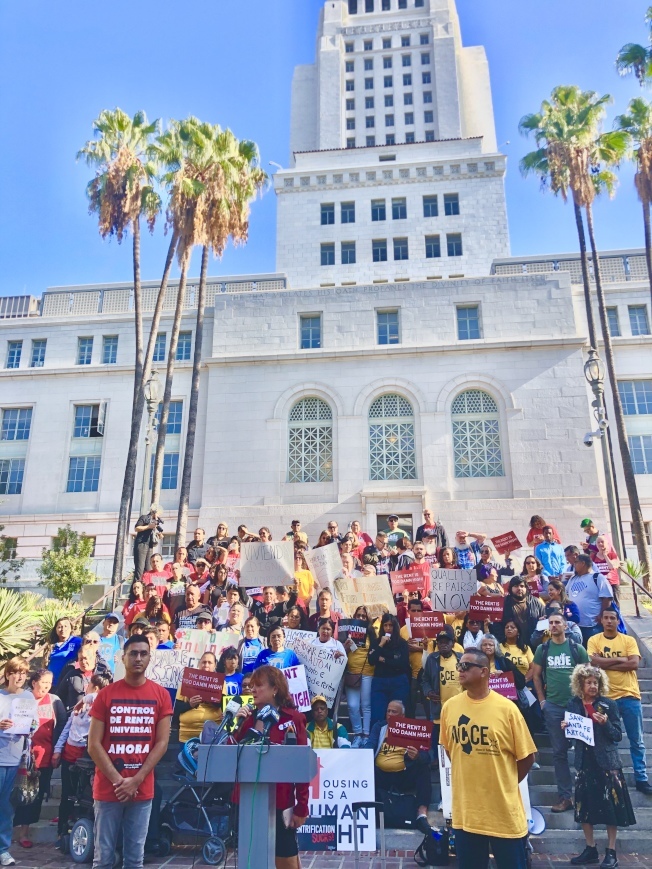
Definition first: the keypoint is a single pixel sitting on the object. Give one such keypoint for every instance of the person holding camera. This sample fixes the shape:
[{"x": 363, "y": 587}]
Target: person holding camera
[{"x": 149, "y": 530}]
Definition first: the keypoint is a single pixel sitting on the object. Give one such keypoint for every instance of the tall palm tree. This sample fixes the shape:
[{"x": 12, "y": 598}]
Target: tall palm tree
[
  {"x": 122, "y": 192},
  {"x": 637, "y": 123},
  {"x": 573, "y": 152},
  {"x": 635, "y": 58}
]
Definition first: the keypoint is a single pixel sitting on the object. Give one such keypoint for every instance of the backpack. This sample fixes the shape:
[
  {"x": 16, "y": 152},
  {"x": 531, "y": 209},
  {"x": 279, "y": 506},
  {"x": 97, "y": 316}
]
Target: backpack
[
  {"x": 574, "y": 650},
  {"x": 622, "y": 628},
  {"x": 433, "y": 852}
]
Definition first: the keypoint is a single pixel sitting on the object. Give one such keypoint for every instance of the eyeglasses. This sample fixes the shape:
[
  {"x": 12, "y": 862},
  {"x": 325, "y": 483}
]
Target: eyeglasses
[
  {"x": 91, "y": 643},
  {"x": 464, "y": 666}
]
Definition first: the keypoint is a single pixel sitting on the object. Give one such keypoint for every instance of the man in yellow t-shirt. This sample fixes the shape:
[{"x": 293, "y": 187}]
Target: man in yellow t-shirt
[
  {"x": 618, "y": 655},
  {"x": 491, "y": 751}
]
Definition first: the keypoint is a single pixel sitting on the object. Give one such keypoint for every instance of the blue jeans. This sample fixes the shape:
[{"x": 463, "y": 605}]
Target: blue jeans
[
  {"x": 384, "y": 689},
  {"x": 473, "y": 851},
  {"x": 587, "y": 633},
  {"x": 359, "y": 702},
  {"x": 631, "y": 712},
  {"x": 133, "y": 818},
  {"x": 7, "y": 777}
]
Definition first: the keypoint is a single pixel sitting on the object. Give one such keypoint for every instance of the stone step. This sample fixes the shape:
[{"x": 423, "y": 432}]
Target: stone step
[
  {"x": 572, "y": 842},
  {"x": 545, "y": 756},
  {"x": 546, "y": 776},
  {"x": 542, "y": 740},
  {"x": 546, "y": 795},
  {"x": 566, "y": 820}
]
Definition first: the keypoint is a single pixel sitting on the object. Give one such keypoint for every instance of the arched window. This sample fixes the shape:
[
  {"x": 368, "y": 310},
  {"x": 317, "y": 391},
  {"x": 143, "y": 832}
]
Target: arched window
[
  {"x": 310, "y": 442},
  {"x": 391, "y": 439},
  {"x": 476, "y": 435}
]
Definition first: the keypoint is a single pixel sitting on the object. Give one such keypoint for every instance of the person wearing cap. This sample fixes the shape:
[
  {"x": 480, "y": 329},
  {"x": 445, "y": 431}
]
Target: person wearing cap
[
  {"x": 394, "y": 533},
  {"x": 187, "y": 618},
  {"x": 110, "y": 646},
  {"x": 139, "y": 625},
  {"x": 146, "y": 539},
  {"x": 204, "y": 620},
  {"x": 441, "y": 680},
  {"x": 431, "y": 531},
  {"x": 322, "y": 732}
]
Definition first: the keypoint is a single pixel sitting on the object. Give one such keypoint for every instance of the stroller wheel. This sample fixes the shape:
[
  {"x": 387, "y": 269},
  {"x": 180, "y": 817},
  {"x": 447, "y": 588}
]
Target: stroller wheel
[
  {"x": 81, "y": 841},
  {"x": 164, "y": 843},
  {"x": 214, "y": 851}
]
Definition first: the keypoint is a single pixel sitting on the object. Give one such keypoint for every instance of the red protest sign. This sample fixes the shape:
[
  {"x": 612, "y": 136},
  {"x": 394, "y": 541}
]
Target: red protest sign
[
  {"x": 415, "y": 578},
  {"x": 207, "y": 685},
  {"x": 426, "y": 625},
  {"x": 491, "y": 607},
  {"x": 506, "y": 542},
  {"x": 503, "y": 683},
  {"x": 533, "y": 585},
  {"x": 409, "y": 732}
]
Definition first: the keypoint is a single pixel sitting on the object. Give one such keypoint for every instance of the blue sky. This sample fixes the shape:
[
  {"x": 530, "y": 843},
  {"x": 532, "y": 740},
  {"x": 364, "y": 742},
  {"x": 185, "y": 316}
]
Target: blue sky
[{"x": 231, "y": 62}]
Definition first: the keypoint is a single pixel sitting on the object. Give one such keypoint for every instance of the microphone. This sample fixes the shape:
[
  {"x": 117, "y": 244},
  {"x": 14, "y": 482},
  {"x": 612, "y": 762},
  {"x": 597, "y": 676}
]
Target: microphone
[
  {"x": 213, "y": 734},
  {"x": 269, "y": 716}
]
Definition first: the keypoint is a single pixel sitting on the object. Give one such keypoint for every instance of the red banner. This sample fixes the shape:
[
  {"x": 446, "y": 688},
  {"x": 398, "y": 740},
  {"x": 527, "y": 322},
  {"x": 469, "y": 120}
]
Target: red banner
[
  {"x": 506, "y": 543},
  {"x": 533, "y": 585},
  {"x": 426, "y": 625},
  {"x": 415, "y": 578},
  {"x": 503, "y": 683},
  {"x": 409, "y": 732},
  {"x": 208, "y": 686},
  {"x": 490, "y": 607}
]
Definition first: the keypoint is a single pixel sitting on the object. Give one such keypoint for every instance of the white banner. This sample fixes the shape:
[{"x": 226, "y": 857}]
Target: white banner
[
  {"x": 323, "y": 672},
  {"x": 298, "y": 685},
  {"x": 267, "y": 564},
  {"x": 451, "y": 590},
  {"x": 579, "y": 727},
  {"x": 325, "y": 564},
  {"x": 345, "y": 777},
  {"x": 372, "y": 592},
  {"x": 167, "y": 665},
  {"x": 197, "y": 642}
]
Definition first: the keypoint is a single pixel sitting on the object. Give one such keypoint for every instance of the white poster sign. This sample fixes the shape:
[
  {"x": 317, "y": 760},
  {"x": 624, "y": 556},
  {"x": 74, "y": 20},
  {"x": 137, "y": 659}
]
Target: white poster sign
[
  {"x": 23, "y": 712},
  {"x": 167, "y": 665},
  {"x": 196, "y": 642},
  {"x": 451, "y": 590},
  {"x": 579, "y": 727},
  {"x": 372, "y": 592},
  {"x": 267, "y": 564},
  {"x": 446, "y": 781},
  {"x": 345, "y": 777},
  {"x": 323, "y": 671},
  {"x": 298, "y": 685},
  {"x": 325, "y": 564}
]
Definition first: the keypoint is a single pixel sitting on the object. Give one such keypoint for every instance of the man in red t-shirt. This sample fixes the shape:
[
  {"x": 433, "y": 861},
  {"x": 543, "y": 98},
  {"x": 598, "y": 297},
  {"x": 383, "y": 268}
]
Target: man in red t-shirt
[
  {"x": 129, "y": 734},
  {"x": 157, "y": 574}
]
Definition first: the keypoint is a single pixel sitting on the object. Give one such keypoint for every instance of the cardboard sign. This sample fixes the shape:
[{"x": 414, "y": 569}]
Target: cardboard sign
[
  {"x": 298, "y": 685},
  {"x": 323, "y": 671},
  {"x": 372, "y": 592},
  {"x": 481, "y": 607},
  {"x": 266, "y": 564},
  {"x": 506, "y": 543},
  {"x": 196, "y": 642},
  {"x": 325, "y": 564},
  {"x": 318, "y": 834},
  {"x": 503, "y": 683},
  {"x": 579, "y": 727},
  {"x": 421, "y": 625},
  {"x": 451, "y": 590},
  {"x": 166, "y": 666},
  {"x": 352, "y": 629},
  {"x": 414, "y": 578},
  {"x": 410, "y": 733},
  {"x": 209, "y": 686}
]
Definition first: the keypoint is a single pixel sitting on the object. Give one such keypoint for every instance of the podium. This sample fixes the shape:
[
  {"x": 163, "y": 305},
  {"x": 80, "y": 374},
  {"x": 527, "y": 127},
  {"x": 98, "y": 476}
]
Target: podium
[{"x": 257, "y": 769}]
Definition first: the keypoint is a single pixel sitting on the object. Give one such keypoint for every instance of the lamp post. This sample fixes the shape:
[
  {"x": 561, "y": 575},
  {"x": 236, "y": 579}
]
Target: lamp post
[
  {"x": 152, "y": 392},
  {"x": 594, "y": 371}
]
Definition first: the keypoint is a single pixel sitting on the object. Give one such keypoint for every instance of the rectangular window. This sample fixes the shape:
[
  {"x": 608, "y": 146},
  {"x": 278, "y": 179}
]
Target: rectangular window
[
  {"x": 109, "y": 349},
  {"x": 12, "y": 472},
  {"x": 428, "y": 116},
  {"x": 348, "y": 212},
  {"x": 368, "y": 5},
  {"x": 378, "y": 210},
  {"x": 389, "y": 101},
  {"x": 468, "y": 322},
  {"x": 16, "y": 424},
  {"x": 613, "y": 323},
  {"x": 10, "y": 546},
  {"x": 454, "y": 244},
  {"x": 390, "y": 139},
  {"x": 84, "y": 351},
  {"x": 310, "y": 331},
  {"x": 170, "y": 477},
  {"x": 350, "y": 105},
  {"x": 353, "y": 7},
  {"x": 327, "y": 213},
  {"x": 427, "y": 96},
  {"x": 350, "y": 84},
  {"x": 409, "y": 138},
  {"x": 370, "y": 122},
  {"x": 409, "y": 119},
  {"x": 184, "y": 346},
  {"x": 424, "y": 38},
  {"x": 430, "y": 135},
  {"x": 379, "y": 250},
  {"x": 430, "y": 208},
  {"x": 402, "y": 4},
  {"x": 350, "y": 143},
  {"x": 328, "y": 254},
  {"x": 399, "y": 209},
  {"x": 387, "y": 40},
  {"x": 368, "y": 64},
  {"x": 371, "y": 141},
  {"x": 425, "y": 58},
  {"x": 369, "y": 84},
  {"x": 638, "y": 320},
  {"x": 401, "y": 249},
  {"x": 348, "y": 253},
  {"x": 175, "y": 417},
  {"x": 350, "y": 123},
  {"x": 349, "y": 66},
  {"x": 38, "y": 353},
  {"x": 433, "y": 247},
  {"x": 387, "y": 327},
  {"x": 451, "y": 204},
  {"x": 426, "y": 78},
  {"x": 640, "y": 447},
  {"x": 405, "y": 41},
  {"x": 369, "y": 102},
  {"x": 387, "y": 62},
  {"x": 14, "y": 351},
  {"x": 83, "y": 474},
  {"x": 368, "y": 44},
  {"x": 407, "y": 99},
  {"x": 348, "y": 47},
  {"x": 160, "y": 347},
  {"x": 89, "y": 421},
  {"x": 386, "y": 8},
  {"x": 388, "y": 81},
  {"x": 636, "y": 397},
  {"x": 407, "y": 60},
  {"x": 389, "y": 120},
  {"x": 407, "y": 80},
  {"x": 419, "y": 3}
]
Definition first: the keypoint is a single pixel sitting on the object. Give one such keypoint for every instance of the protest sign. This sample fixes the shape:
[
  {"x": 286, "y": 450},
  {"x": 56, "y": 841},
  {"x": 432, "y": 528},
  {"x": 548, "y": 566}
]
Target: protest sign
[
  {"x": 451, "y": 590},
  {"x": 533, "y": 585},
  {"x": 446, "y": 782},
  {"x": 372, "y": 592},
  {"x": 506, "y": 543},
  {"x": 352, "y": 629},
  {"x": 197, "y": 642},
  {"x": 323, "y": 671},
  {"x": 503, "y": 683},
  {"x": 491, "y": 607},
  {"x": 298, "y": 686},
  {"x": 579, "y": 727},
  {"x": 421, "y": 625},
  {"x": 318, "y": 834},
  {"x": 166, "y": 666},
  {"x": 208, "y": 686},
  {"x": 414, "y": 578},
  {"x": 23, "y": 712},
  {"x": 409, "y": 732},
  {"x": 266, "y": 564},
  {"x": 325, "y": 564},
  {"x": 343, "y": 778}
]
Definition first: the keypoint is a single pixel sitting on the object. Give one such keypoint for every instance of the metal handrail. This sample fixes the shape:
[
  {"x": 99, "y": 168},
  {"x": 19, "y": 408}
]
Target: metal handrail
[{"x": 635, "y": 585}]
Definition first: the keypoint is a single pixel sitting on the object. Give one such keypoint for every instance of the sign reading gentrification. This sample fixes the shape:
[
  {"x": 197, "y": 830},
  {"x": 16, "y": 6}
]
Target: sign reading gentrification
[
  {"x": 451, "y": 590},
  {"x": 266, "y": 564}
]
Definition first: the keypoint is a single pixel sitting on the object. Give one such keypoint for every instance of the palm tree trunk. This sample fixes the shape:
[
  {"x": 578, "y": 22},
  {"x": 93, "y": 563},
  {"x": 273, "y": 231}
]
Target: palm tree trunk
[
  {"x": 648, "y": 241},
  {"x": 585, "y": 275},
  {"x": 638, "y": 526},
  {"x": 136, "y": 416},
  {"x": 184, "y": 497},
  {"x": 158, "y": 309},
  {"x": 169, "y": 377}
]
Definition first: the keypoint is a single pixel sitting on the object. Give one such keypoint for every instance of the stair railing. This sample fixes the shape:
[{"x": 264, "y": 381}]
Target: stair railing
[{"x": 636, "y": 588}]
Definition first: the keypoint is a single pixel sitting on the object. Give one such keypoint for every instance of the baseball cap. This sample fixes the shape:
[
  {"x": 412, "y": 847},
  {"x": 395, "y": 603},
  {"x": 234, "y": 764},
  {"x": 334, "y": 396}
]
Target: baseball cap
[
  {"x": 319, "y": 698},
  {"x": 585, "y": 523},
  {"x": 393, "y": 516},
  {"x": 116, "y": 616},
  {"x": 447, "y": 633},
  {"x": 204, "y": 615},
  {"x": 141, "y": 620}
]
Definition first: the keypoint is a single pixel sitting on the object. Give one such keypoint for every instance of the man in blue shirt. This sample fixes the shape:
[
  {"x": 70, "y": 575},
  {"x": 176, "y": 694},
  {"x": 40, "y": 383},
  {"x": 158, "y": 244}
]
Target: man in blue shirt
[{"x": 550, "y": 554}]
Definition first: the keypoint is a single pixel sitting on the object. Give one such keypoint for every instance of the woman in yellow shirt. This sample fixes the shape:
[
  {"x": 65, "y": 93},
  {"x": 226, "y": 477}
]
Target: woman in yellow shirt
[
  {"x": 195, "y": 710},
  {"x": 516, "y": 650},
  {"x": 357, "y": 683}
]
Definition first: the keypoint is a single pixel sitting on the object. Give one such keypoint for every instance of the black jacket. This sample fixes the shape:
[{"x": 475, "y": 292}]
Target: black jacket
[
  {"x": 438, "y": 535},
  {"x": 607, "y": 736},
  {"x": 396, "y": 659},
  {"x": 70, "y": 687},
  {"x": 504, "y": 665},
  {"x": 431, "y": 680},
  {"x": 535, "y": 609}
]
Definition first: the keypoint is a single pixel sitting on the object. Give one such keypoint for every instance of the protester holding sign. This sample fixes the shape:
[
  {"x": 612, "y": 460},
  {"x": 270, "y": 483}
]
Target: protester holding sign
[
  {"x": 195, "y": 711},
  {"x": 390, "y": 656},
  {"x": 498, "y": 663},
  {"x": 416, "y": 648},
  {"x": 441, "y": 679},
  {"x": 601, "y": 794},
  {"x": 358, "y": 678},
  {"x": 533, "y": 572},
  {"x": 326, "y": 639}
]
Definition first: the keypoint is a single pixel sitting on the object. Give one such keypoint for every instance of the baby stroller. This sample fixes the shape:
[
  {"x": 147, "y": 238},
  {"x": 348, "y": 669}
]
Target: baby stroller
[
  {"x": 79, "y": 841},
  {"x": 198, "y": 809}
]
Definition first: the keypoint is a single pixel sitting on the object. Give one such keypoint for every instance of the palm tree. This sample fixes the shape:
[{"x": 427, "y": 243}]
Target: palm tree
[
  {"x": 637, "y": 59},
  {"x": 637, "y": 123},
  {"x": 120, "y": 193},
  {"x": 572, "y": 152}
]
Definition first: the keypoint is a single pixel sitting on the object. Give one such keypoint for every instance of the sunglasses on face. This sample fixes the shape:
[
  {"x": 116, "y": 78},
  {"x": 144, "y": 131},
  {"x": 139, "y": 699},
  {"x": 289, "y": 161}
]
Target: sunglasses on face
[
  {"x": 464, "y": 666},
  {"x": 91, "y": 643}
]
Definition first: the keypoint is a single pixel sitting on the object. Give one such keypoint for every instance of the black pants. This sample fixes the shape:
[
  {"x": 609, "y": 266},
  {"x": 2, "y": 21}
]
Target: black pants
[
  {"x": 69, "y": 782},
  {"x": 142, "y": 553},
  {"x": 31, "y": 814},
  {"x": 473, "y": 851},
  {"x": 415, "y": 777}
]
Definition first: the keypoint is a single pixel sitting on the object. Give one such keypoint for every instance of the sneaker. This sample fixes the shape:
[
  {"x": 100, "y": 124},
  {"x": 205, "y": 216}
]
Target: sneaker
[
  {"x": 588, "y": 855},
  {"x": 6, "y": 859},
  {"x": 610, "y": 860},
  {"x": 357, "y": 741},
  {"x": 421, "y": 824},
  {"x": 561, "y": 806},
  {"x": 644, "y": 787},
  {"x": 535, "y": 765}
]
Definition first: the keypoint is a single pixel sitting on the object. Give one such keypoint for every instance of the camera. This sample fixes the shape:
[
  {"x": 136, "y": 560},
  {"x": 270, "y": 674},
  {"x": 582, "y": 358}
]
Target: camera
[
  {"x": 588, "y": 439},
  {"x": 159, "y": 526}
]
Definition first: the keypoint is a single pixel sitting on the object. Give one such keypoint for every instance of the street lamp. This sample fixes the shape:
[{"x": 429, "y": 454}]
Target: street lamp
[
  {"x": 152, "y": 391},
  {"x": 594, "y": 371}
]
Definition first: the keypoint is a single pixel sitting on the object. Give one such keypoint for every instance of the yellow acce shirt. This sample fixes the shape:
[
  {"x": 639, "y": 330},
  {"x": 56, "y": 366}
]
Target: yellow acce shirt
[{"x": 518, "y": 657}]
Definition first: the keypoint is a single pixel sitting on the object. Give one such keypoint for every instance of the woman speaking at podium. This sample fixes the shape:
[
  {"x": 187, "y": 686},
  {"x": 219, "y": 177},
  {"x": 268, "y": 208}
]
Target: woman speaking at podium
[{"x": 269, "y": 688}]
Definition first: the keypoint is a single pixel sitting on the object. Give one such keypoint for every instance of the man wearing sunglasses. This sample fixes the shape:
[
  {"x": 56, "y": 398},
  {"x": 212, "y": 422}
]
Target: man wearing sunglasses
[{"x": 491, "y": 751}]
